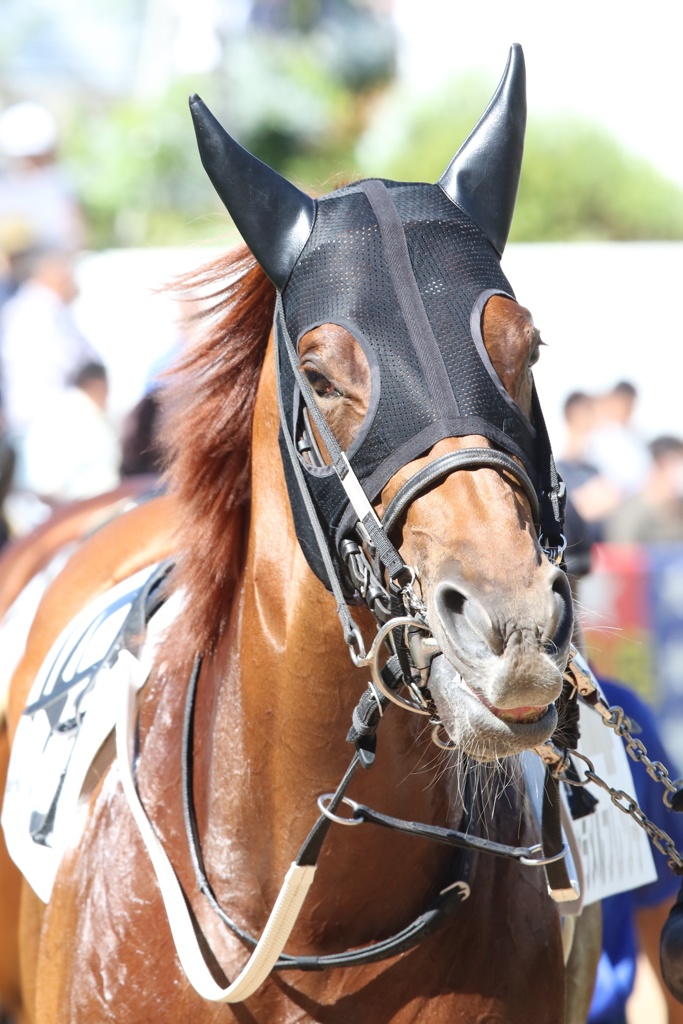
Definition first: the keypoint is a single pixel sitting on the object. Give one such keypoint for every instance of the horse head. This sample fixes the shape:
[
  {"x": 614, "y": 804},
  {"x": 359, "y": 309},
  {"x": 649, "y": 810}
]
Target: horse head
[{"x": 406, "y": 394}]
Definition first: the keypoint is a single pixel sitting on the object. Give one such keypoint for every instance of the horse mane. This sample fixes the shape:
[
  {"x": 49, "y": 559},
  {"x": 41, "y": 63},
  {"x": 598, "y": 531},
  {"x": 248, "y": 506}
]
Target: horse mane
[{"x": 208, "y": 406}]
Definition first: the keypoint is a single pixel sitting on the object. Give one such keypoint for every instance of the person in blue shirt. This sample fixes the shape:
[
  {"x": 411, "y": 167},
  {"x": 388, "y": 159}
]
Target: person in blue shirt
[{"x": 632, "y": 921}]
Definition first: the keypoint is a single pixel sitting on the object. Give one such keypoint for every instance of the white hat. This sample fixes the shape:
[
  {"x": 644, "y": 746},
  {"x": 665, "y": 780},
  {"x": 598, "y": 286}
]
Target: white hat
[{"x": 27, "y": 129}]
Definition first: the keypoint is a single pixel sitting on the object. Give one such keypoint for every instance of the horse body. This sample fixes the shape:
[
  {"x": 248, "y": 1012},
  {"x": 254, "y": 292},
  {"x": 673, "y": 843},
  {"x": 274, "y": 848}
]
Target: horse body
[
  {"x": 24, "y": 557},
  {"x": 273, "y": 705}
]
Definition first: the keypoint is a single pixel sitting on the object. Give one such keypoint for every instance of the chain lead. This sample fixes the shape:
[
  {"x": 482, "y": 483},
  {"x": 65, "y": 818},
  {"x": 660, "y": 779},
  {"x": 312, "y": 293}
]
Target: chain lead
[{"x": 579, "y": 674}]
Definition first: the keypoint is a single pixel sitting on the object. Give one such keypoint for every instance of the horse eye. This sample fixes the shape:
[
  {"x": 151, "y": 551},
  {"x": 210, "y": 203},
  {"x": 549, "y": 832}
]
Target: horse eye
[{"x": 320, "y": 384}]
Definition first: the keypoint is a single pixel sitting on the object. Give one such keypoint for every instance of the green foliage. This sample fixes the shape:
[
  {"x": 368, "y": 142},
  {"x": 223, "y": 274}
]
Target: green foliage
[
  {"x": 135, "y": 163},
  {"x": 577, "y": 182},
  {"x": 137, "y": 170},
  {"x": 135, "y": 167}
]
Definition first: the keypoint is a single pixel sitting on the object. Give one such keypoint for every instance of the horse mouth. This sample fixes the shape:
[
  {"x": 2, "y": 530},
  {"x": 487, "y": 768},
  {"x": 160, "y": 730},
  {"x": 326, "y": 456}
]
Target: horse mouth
[
  {"x": 524, "y": 715},
  {"x": 479, "y": 727}
]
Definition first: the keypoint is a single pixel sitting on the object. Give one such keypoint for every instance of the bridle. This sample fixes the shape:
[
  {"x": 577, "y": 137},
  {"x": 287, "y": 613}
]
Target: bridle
[{"x": 399, "y": 660}]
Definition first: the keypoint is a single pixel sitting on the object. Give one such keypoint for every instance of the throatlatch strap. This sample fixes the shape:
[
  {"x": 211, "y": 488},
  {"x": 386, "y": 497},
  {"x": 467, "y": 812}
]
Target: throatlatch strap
[{"x": 553, "y": 496}]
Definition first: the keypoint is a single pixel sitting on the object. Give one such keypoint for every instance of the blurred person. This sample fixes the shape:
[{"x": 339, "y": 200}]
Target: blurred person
[
  {"x": 632, "y": 920},
  {"x": 7, "y": 463},
  {"x": 593, "y": 496},
  {"x": 579, "y": 414},
  {"x": 614, "y": 446},
  {"x": 71, "y": 449},
  {"x": 141, "y": 441},
  {"x": 655, "y": 514},
  {"x": 37, "y": 200},
  {"x": 41, "y": 348}
]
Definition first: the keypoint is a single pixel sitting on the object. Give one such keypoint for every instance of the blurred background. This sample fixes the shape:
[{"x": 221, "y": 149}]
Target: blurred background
[
  {"x": 98, "y": 168},
  {"x": 103, "y": 200}
]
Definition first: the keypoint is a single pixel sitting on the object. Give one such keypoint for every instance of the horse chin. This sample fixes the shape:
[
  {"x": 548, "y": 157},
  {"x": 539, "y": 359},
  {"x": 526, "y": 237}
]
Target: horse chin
[{"x": 476, "y": 727}]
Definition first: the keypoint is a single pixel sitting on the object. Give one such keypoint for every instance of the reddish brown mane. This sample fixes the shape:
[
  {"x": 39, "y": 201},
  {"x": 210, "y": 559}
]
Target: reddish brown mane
[{"x": 210, "y": 403}]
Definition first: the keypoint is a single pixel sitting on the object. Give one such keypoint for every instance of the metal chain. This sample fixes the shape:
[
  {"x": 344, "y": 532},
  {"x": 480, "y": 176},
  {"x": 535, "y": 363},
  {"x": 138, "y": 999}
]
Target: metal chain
[
  {"x": 580, "y": 675},
  {"x": 629, "y": 805},
  {"x": 621, "y": 724}
]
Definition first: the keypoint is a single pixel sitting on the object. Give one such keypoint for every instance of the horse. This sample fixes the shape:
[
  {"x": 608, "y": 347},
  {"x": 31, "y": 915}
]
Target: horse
[{"x": 461, "y": 616}]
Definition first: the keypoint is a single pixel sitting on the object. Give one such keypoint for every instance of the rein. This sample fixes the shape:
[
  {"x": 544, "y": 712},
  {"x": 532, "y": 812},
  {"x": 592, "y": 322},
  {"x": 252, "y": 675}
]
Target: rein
[
  {"x": 427, "y": 922},
  {"x": 424, "y": 925}
]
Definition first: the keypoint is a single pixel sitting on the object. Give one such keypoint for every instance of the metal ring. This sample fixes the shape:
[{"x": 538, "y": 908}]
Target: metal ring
[
  {"x": 373, "y": 656},
  {"x": 336, "y": 817},
  {"x": 440, "y": 743},
  {"x": 540, "y": 862}
]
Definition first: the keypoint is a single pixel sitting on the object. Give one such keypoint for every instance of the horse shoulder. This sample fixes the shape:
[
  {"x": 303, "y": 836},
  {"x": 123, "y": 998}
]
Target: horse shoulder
[{"x": 142, "y": 536}]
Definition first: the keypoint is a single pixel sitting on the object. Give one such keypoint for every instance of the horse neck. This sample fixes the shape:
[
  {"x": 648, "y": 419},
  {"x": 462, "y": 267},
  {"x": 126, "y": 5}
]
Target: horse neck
[{"x": 278, "y": 702}]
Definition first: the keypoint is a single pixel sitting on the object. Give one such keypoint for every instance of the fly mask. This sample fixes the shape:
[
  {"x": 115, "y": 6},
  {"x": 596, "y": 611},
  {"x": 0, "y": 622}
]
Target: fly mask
[{"x": 407, "y": 269}]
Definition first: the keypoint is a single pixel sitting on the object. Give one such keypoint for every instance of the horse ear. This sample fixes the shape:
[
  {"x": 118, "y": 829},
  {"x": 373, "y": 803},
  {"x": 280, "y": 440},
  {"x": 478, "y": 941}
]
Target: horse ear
[
  {"x": 483, "y": 176},
  {"x": 272, "y": 215}
]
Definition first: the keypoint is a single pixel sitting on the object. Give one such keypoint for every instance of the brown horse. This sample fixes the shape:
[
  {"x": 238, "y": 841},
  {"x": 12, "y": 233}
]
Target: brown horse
[{"x": 276, "y": 690}]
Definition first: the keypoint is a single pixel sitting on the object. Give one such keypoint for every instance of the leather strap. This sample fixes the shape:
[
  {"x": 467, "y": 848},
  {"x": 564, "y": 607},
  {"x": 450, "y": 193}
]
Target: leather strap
[
  {"x": 464, "y": 458},
  {"x": 428, "y": 921},
  {"x": 287, "y": 906},
  {"x": 524, "y": 854}
]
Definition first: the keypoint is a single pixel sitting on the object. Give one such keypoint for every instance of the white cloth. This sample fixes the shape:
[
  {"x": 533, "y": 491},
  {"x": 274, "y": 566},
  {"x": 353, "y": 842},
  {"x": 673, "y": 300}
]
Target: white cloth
[
  {"x": 37, "y": 205},
  {"x": 620, "y": 455},
  {"x": 40, "y": 350},
  {"x": 71, "y": 450}
]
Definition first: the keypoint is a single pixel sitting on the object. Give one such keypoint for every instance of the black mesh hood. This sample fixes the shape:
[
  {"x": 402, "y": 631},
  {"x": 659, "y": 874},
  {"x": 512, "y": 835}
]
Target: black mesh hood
[{"x": 408, "y": 273}]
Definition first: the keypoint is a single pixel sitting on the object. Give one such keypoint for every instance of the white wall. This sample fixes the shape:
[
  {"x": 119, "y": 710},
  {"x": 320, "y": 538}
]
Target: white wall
[{"x": 607, "y": 311}]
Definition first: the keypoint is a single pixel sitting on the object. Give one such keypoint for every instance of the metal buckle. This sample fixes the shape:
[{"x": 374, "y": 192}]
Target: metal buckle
[
  {"x": 540, "y": 862},
  {"x": 553, "y": 552}
]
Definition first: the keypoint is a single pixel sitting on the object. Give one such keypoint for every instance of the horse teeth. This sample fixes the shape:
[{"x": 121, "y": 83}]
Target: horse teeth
[{"x": 526, "y": 719}]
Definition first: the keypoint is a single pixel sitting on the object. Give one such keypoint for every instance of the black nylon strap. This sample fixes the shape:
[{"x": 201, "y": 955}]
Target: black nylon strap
[
  {"x": 449, "y": 836},
  {"x": 310, "y": 851},
  {"x": 553, "y": 494},
  {"x": 408, "y": 294},
  {"x": 388, "y": 554}
]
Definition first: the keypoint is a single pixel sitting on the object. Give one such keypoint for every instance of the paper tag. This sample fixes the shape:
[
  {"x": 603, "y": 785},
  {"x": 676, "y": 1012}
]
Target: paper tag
[{"x": 615, "y": 851}]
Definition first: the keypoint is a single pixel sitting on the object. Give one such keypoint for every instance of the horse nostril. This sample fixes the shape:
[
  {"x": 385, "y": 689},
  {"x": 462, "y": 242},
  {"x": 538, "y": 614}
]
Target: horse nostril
[
  {"x": 562, "y": 620},
  {"x": 465, "y": 621}
]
